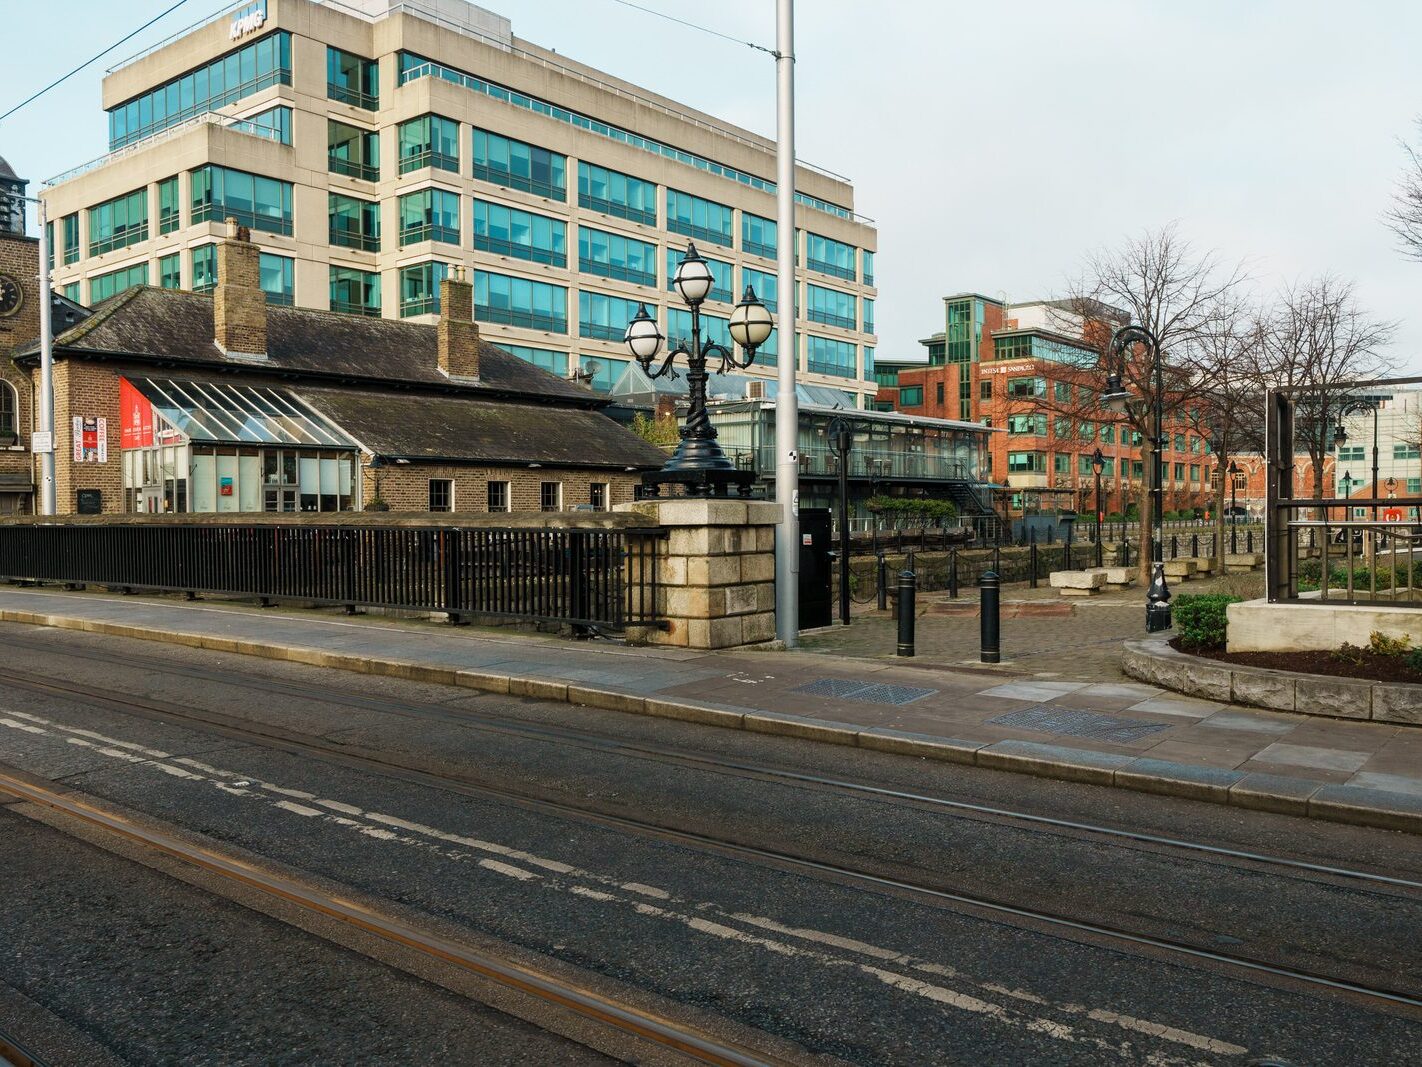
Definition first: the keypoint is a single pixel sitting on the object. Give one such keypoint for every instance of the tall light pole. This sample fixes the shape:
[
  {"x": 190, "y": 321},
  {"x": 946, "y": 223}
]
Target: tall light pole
[
  {"x": 1098, "y": 464},
  {"x": 787, "y": 407}
]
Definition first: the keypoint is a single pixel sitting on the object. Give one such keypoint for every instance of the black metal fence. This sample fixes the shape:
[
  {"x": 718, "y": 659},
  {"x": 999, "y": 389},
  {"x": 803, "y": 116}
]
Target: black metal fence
[{"x": 593, "y": 578}]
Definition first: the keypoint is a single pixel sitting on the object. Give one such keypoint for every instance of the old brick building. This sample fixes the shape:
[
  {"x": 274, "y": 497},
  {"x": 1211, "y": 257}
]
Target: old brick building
[{"x": 171, "y": 401}]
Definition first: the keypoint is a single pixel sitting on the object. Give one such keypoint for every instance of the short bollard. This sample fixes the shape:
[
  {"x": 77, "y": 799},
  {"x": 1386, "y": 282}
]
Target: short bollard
[
  {"x": 953, "y": 574},
  {"x": 1032, "y": 564},
  {"x": 883, "y": 582},
  {"x": 989, "y": 592},
  {"x": 906, "y": 612}
]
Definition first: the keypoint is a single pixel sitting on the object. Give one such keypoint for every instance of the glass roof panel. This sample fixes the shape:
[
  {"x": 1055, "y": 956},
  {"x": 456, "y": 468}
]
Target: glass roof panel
[{"x": 228, "y": 413}]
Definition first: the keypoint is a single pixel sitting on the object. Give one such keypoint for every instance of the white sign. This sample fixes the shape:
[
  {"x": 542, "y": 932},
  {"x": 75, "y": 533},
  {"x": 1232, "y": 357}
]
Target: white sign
[
  {"x": 41, "y": 441},
  {"x": 247, "y": 19}
]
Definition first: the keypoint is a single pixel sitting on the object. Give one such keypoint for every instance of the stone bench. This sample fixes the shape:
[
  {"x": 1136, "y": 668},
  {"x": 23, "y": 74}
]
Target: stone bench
[
  {"x": 1242, "y": 562},
  {"x": 1078, "y": 583},
  {"x": 1204, "y": 564},
  {"x": 1181, "y": 570},
  {"x": 1121, "y": 576}
]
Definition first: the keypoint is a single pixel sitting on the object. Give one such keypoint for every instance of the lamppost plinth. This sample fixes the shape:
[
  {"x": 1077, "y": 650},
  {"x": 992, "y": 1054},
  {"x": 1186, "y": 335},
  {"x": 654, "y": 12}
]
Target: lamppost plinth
[
  {"x": 698, "y": 465},
  {"x": 1117, "y": 399}
]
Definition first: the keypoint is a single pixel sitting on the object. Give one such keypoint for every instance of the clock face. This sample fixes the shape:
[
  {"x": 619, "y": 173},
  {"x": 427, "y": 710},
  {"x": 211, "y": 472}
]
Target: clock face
[{"x": 11, "y": 295}]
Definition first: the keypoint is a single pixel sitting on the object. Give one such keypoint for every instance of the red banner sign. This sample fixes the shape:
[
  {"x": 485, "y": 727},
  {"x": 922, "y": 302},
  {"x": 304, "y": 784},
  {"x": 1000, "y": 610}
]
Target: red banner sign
[{"x": 136, "y": 423}]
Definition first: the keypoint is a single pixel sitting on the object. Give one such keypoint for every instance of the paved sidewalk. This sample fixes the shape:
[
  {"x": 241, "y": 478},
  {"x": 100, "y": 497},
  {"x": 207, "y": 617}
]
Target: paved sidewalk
[{"x": 1112, "y": 733}]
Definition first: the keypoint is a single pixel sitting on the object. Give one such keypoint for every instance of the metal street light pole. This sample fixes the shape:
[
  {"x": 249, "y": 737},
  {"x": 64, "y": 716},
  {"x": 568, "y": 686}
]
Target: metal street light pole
[
  {"x": 787, "y": 408},
  {"x": 1098, "y": 464},
  {"x": 841, "y": 438}
]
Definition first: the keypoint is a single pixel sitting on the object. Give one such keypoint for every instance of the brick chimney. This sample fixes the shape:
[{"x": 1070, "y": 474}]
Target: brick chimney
[
  {"x": 457, "y": 333},
  {"x": 239, "y": 307}
]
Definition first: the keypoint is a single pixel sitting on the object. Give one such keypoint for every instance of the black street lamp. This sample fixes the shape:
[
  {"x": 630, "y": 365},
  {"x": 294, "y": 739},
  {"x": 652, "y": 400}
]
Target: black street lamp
[
  {"x": 841, "y": 440},
  {"x": 1233, "y": 506},
  {"x": 1117, "y": 399},
  {"x": 698, "y": 463},
  {"x": 1340, "y": 434},
  {"x": 1098, "y": 464}
]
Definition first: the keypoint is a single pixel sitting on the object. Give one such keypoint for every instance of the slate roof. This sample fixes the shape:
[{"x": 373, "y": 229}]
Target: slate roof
[
  {"x": 175, "y": 327},
  {"x": 461, "y": 429}
]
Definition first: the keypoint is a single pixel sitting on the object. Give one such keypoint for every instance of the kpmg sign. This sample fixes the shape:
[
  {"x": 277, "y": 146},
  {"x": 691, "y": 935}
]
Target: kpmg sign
[{"x": 247, "y": 19}]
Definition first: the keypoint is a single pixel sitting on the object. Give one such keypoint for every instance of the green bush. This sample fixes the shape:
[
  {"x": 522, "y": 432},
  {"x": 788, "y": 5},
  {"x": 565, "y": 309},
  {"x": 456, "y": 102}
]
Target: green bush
[
  {"x": 1414, "y": 659},
  {"x": 1383, "y": 645},
  {"x": 919, "y": 509},
  {"x": 1201, "y": 619}
]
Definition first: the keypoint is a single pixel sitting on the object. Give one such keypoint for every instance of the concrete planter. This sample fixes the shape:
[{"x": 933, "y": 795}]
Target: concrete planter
[{"x": 1152, "y": 660}]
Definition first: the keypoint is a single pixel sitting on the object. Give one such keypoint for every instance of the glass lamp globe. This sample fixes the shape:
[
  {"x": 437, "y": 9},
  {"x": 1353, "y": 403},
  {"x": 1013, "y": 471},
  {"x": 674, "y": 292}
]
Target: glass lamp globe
[
  {"x": 1115, "y": 398},
  {"x": 751, "y": 321},
  {"x": 693, "y": 278},
  {"x": 643, "y": 336}
]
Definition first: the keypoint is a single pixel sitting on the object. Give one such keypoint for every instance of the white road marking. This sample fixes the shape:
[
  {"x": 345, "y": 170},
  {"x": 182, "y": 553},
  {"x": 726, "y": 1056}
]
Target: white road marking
[{"x": 359, "y": 820}]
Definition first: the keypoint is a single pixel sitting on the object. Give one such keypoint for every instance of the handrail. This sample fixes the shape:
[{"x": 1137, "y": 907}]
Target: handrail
[{"x": 231, "y": 122}]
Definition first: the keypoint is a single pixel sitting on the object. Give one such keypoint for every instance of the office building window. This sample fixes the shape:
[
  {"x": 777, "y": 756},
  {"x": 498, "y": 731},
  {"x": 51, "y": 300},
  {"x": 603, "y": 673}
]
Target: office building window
[
  {"x": 614, "y": 193},
  {"x": 498, "y": 497},
  {"x": 766, "y": 286},
  {"x": 71, "y": 292},
  {"x": 119, "y": 222},
  {"x": 1027, "y": 463},
  {"x": 170, "y": 271},
  {"x": 355, "y": 292},
  {"x": 429, "y": 141},
  {"x": 830, "y": 307},
  {"x": 169, "y": 209},
  {"x": 508, "y": 231},
  {"x": 49, "y": 245},
  {"x": 597, "y": 495},
  {"x": 601, "y": 372},
  {"x": 352, "y": 79},
  {"x": 9, "y": 414},
  {"x": 442, "y": 494},
  {"x": 868, "y": 315},
  {"x": 1061, "y": 462},
  {"x": 911, "y": 396},
  {"x": 721, "y": 287},
  {"x": 866, "y": 266},
  {"x": 1194, "y": 472},
  {"x": 605, "y": 317},
  {"x": 106, "y": 285},
  {"x": 714, "y": 327},
  {"x": 1029, "y": 424},
  {"x": 543, "y": 358},
  {"x": 419, "y": 288},
  {"x": 278, "y": 278},
  {"x": 274, "y": 124},
  {"x": 1405, "y": 451},
  {"x": 240, "y": 73},
  {"x": 757, "y": 235},
  {"x": 69, "y": 226},
  {"x": 352, "y": 151},
  {"x": 254, "y": 201},
  {"x": 429, "y": 215},
  {"x": 985, "y": 389},
  {"x": 1351, "y": 454},
  {"x": 829, "y": 256},
  {"x": 204, "y": 268},
  {"x": 518, "y": 165},
  {"x": 613, "y": 256},
  {"x": 520, "y": 302},
  {"x": 701, "y": 220},
  {"x": 550, "y": 496},
  {"x": 1108, "y": 435},
  {"x": 825, "y": 355},
  {"x": 1414, "y": 486},
  {"x": 354, "y": 223},
  {"x": 1179, "y": 472},
  {"x": 1027, "y": 387}
]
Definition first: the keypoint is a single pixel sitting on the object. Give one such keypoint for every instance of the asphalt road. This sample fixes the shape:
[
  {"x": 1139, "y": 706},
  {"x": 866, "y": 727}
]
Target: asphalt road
[{"x": 806, "y": 921}]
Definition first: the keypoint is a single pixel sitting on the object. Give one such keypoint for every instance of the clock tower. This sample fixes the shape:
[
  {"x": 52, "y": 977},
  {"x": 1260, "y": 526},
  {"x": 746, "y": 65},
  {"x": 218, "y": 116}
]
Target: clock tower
[{"x": 19, "y": 323}]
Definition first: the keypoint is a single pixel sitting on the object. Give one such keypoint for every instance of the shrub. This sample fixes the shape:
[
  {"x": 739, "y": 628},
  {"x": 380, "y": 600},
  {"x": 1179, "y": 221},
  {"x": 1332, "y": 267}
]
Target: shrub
[
  {"x": 1201, "y": 619},
  {"x": 1357, "y": 655},
  {"x": 1380, "y": 644},
  {"x": 1413, "y": 659},
  {"x": 920, "y": 509}
]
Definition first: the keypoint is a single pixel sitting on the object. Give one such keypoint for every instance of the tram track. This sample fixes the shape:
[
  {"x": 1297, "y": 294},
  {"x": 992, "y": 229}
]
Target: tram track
[
  {"x": 480, "y": 721},
  {"x": 1041, "y": 919}
]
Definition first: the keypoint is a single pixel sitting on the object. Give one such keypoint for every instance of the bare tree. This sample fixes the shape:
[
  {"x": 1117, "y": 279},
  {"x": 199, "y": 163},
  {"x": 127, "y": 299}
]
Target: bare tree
[
  {"x": 1317, "y": 340},
  {"x": 1404, "y": 218},
  {"x": 1160, "y": 282}
]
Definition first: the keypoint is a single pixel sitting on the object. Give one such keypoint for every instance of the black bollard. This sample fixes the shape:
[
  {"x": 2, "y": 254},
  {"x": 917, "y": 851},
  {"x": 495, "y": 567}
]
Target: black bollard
[
  {"x": 906, "y": 612},
  {"x": 1032, "y": 564},
  {"x": 1174, "y": 547},
  {"x": 953, "y": 574},
  {"x": 989, "y": 593},
  {"x": 882, "y": 580}
]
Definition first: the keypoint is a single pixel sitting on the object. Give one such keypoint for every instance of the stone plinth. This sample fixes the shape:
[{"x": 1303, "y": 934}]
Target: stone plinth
[
  {"x": 1122, "y": 576},
  {"x": 1078, "y": 583},
  {"x": 1242, "y": 562},
  {"x": 1203, "y": 564},
  {"x": 1303, "y": 626},
  {"x": 716, "y": 571},
  {"x": 1180, "y": 569}
]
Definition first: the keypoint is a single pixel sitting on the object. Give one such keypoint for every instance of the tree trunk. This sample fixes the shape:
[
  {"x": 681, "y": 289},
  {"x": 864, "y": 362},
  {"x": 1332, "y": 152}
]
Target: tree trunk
[{"x": 1221, "y": 534}]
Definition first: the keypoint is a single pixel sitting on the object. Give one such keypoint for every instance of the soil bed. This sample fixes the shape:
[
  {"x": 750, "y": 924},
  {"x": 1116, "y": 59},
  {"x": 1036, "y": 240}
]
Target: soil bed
[{"x": 1372, "y": 668}]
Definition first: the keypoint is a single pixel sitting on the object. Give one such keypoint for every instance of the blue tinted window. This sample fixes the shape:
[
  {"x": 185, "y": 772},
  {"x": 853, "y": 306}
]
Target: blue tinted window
[
  {"x": 614, "y": 256},
  {"x": 701, "y": 220},
  {"x": 766, "y": 286},
  {"x": 520, "y": 302},
  {"x": 614, "y": 193},
  {"x": 603, "y": 371},
  {"x": 278, "y": 278},
  {"x": 429, "y": 215},
  {"x": 119, "y": 222},
  {"x": 419, "y": 288},
  {"x": 830, "y": 307},
  {"x": 721, "y": 288},
  {"x": 204, "y": 259},
  {"x": 356, "y": 292},
  {"x": 429, "y": 141},
  {"x": 868, "y": 314},
  {"x": 519, "y": 165},
  {"x": 543, "y": 358},
  {"x": 713, "y": 327},
  {"x": 352, "y": 79},
  {"x": 827, "y": 356},
  {"x": 758, "y": 235},
  {"x": 254, "y": 201},
  {"x": 866, "y": 266},
  {"x": 106, "y": 285},
  {"x": 224, "y": 81},
  {"x": 522, "y": 234},
  {"x": 829, "y": 256},
  {"x": 605, "y": 317},
  {"x": 273, "y": 124}
]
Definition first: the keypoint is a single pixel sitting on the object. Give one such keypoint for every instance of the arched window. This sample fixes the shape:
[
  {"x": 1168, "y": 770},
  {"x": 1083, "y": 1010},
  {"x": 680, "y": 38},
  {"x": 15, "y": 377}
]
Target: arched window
[{"x": 9, "y": 414}]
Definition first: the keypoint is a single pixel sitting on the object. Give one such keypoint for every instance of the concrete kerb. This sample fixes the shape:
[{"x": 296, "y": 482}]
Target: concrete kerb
[{"x": 1261, "y": 792}]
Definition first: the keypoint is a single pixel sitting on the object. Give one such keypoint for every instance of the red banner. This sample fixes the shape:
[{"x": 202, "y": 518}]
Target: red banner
[{"x": 136, "y": 423}]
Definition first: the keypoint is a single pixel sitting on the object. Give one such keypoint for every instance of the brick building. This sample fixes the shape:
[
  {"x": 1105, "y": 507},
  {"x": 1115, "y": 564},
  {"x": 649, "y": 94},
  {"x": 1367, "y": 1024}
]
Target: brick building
[
  {"x": 1030, "y": 372},
  {"x": 171, "y": 401}
]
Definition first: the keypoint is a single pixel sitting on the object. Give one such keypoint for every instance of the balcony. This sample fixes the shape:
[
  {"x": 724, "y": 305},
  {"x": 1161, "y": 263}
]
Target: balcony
[
  {"x": 833, "y": 269},
  {"x": 428, "y": 231},
  {"x": 529, "y": 320},
  {"x": 345, "y": 95},
  {"x": 429, "y": 158},
  {"x": 520, "y": 251},
  {"x": 699, "y": 233},
  {"x": 353, "y": 237},
  {"x": 362, "y": 171},
  {"x": 621, "y": 274},
  {"x": 621, "y": 211},
  {"x": 827, "y": 318},
  {"x": 519, "y": 182},
  {"x": 121, "y": 239}
]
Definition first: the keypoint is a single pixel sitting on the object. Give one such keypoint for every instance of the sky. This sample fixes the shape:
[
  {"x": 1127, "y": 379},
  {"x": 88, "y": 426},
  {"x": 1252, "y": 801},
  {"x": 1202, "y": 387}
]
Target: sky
[{"x": 993, "y": 144}]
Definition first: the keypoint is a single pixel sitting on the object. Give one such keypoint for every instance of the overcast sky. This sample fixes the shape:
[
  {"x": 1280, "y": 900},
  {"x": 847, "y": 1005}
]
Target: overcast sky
[{"x": 992, "y": 143}]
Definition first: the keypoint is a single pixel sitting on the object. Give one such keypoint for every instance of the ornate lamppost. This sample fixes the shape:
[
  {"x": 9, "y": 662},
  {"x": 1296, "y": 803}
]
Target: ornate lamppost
[
  {"x": 1117, "y": 399},
  {"x": 698, "y": 464},
  {"x": 1098, "y": 464},
  {"x": 841, "y": 440}
]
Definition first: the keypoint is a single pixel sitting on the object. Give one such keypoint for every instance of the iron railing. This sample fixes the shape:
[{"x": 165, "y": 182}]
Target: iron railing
[
  {"x": 587, "y": 578},
  {"x": 1344, "y": 560}
]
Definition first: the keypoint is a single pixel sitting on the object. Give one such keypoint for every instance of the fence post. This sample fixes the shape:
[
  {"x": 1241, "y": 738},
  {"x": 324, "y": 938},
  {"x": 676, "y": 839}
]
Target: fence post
[
  {"x": 882, "y": 581},
  {"x": 1066, "y": 556},
  {"x": 1195, "y": 545},
  {"x": 1174, "y": 547},
  {"x": 1032, "y": 564},
  {"x": 989, "y": 597},
  {"x": 906, "y": 612},
  {"x": 997, "y": 558},
  {"x": 1249, "y": 541},
  {"x": 953, "y": 574},
  {"x": 1099, "y": 550}
]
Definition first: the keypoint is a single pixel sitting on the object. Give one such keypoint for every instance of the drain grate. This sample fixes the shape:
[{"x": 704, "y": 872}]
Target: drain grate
[
  {"x": 865, "y": 692},
  {"x": 1069, "y": 722}
]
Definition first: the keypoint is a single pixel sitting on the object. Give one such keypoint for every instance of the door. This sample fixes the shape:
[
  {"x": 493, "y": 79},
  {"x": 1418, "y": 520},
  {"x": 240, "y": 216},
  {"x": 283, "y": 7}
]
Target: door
[{"x": 816, "y": 603}]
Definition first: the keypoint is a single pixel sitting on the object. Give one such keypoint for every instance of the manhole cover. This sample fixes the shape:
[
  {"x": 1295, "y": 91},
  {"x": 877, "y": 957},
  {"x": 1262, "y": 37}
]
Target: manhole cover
[
  {"x": 1069, "y": 722},
  {"x": 866, "y": 692}
]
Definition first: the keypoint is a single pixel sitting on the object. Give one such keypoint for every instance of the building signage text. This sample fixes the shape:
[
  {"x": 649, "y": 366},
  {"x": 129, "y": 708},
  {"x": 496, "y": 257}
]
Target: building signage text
[{"x": 247, "y": 19}]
